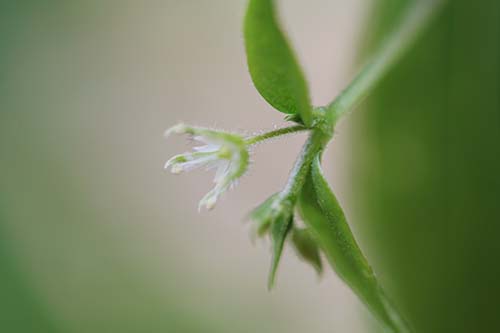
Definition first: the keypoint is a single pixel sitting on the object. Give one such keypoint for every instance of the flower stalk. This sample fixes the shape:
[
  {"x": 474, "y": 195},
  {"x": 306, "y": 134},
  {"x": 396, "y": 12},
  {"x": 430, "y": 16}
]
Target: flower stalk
[{"x": 273, "y": 134}]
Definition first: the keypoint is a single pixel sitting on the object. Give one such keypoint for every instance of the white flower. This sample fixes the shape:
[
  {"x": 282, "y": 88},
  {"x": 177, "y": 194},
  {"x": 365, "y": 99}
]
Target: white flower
[{"x": 225, "y": 152}]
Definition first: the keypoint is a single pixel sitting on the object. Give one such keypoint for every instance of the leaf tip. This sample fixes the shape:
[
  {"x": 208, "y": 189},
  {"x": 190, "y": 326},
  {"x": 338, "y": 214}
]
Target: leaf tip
[{"x": 271, "y": 278}]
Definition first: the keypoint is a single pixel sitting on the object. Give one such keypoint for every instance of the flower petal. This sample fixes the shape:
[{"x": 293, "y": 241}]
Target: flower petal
[{"x": 209, "y": 148}]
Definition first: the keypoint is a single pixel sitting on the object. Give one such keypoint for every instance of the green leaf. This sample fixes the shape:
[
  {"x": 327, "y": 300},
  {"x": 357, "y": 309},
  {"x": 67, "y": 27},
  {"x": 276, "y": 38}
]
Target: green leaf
[
  {"x": 323, "y": 215},
  {"x": 307, "y": 248},
  {"x": 274, "y": 216},
  {"x": 262, "y": 215},
  {"x": 272, "y": 64},
  {"x": 279, "y": 230}
]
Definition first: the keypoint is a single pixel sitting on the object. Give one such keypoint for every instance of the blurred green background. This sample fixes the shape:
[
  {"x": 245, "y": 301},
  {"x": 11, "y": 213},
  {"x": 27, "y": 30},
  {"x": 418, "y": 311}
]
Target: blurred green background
[
  {"x": 96, "y": 237},
  {"x": 426, "y": 162}
]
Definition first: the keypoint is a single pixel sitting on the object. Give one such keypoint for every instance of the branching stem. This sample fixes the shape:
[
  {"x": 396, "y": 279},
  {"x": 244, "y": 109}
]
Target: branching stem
[
  {"x": 314, "y": 144},
  {"x": 413, "y": 22}
]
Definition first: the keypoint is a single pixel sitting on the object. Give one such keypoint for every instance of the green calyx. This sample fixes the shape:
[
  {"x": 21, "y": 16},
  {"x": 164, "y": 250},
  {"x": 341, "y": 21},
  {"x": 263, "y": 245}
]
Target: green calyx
[{"x": 275, "y": 218}]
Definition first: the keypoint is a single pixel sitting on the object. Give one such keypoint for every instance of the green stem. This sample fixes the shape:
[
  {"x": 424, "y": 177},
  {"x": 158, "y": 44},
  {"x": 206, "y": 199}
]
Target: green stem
[
  {"x": 272, "y": 134},
  {"x": 412, "y": 24},
  {"x": 314, "y": 144}
]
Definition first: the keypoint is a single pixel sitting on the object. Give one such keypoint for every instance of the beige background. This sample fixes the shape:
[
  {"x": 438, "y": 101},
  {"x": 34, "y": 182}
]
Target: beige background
[{"x": 99, "y": 82}]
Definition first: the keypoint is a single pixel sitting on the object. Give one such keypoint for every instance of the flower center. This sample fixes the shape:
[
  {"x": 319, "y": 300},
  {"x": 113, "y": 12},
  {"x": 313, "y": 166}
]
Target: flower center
[{"x": 224, "y": 153}]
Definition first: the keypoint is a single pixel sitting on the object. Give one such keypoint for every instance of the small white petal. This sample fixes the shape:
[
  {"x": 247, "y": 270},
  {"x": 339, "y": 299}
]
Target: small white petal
[
  {"x": 176, "y": 160},
  {"x": 201, "y": 139},
  {"x": 176, "y": 169},
  {"x": 209, "y": 200},
  {"x": 210, "y": 204},
  {"x": 222, "y": 170},
  {"x": 177, "y": 129},
  {"x": 170, "y": 162},
  {"x": 210, "y": 148},
  {"x": 198, "y": 162}
]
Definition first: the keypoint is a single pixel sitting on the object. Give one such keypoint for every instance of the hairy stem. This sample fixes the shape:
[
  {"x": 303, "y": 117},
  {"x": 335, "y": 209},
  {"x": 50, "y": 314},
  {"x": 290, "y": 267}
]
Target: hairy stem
[
  {"x": 413, "y": 22},
  {"x": 314, "y": 144},
  {"x": 272, "y": 134}
]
